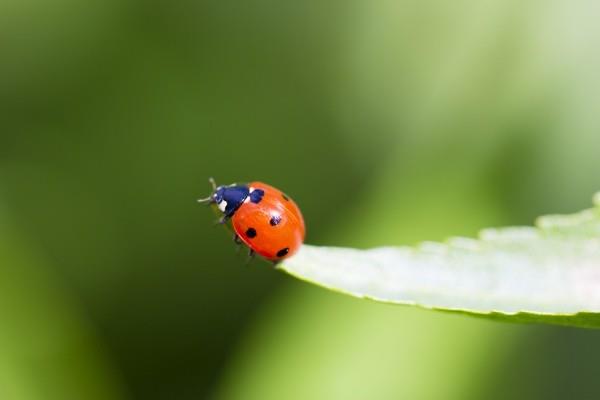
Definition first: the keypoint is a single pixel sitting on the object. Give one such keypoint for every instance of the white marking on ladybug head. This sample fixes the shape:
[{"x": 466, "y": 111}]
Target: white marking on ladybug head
[
  {"x": 222, "y": 205},
  {"x": 250, "y": 190}
]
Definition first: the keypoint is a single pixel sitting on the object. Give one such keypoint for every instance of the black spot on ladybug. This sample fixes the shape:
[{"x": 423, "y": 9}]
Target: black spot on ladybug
[
  {"x": 283, "y": 252},
  {"x": 251, "y": 233},
  {"x": 285, "y": 197},
  {"x": 275, "y": 219},
  {"x": 257, "y": 195}
]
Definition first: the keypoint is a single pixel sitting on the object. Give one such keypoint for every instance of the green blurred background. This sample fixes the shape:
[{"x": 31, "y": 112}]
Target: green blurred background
[{"x": 417, "y": 119}]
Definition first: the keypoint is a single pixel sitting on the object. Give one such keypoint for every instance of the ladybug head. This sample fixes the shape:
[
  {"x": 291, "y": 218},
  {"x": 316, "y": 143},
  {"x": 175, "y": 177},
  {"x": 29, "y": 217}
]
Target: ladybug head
[
  {"x": 227, "y": 198},
  {"x": 217, "y": 195}
]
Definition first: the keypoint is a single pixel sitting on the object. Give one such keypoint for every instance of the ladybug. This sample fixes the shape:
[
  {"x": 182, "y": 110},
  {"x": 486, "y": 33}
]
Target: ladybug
[{"x": 262, "y": 217}]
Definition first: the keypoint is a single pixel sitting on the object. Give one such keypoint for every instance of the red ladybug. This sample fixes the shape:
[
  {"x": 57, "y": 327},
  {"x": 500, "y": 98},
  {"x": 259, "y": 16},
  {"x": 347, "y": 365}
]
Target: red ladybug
[{"x": 264, "y": 218}]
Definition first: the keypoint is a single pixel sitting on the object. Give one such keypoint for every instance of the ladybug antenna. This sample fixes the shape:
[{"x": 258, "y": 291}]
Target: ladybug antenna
[
  {"x": 214, "y": 187},
  {"x": 205, "y": 200}
]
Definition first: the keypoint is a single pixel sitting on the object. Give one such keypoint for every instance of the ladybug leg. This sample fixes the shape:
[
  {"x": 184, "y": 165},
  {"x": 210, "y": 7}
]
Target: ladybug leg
[
  {"x": 222, "y": 220},
  {"x": 250, "y": 256},
  {"x": 238, "y": 242}
]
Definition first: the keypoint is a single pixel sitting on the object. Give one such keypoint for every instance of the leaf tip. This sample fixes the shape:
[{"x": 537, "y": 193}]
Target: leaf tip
[{"x": 597, "y": 199}]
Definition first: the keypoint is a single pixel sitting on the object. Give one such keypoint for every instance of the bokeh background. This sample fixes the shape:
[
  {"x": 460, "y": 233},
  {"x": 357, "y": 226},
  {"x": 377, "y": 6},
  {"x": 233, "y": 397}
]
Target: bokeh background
[{"x": 389, "y": 122}]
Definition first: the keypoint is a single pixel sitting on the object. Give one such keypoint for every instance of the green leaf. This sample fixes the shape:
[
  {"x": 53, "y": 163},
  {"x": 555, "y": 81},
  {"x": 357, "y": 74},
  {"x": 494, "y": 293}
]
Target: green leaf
[{"x": 549, "y": 273}]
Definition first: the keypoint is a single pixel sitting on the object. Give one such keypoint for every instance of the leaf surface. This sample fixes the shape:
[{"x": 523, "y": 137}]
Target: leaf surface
[{"x": 548, "y": 273}]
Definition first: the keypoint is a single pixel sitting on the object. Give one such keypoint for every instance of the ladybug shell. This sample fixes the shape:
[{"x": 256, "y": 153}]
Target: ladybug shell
[{"x": 273, "y": 227}]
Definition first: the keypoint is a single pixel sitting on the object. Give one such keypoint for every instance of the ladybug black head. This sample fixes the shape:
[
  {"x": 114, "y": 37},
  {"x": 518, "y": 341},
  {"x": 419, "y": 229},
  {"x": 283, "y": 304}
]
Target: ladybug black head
[
  {"x": 217, "y": 195},
  {"x": 230, "y": 198},
  {"x": 227, "y": 198}
]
